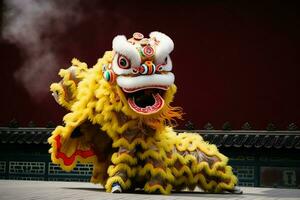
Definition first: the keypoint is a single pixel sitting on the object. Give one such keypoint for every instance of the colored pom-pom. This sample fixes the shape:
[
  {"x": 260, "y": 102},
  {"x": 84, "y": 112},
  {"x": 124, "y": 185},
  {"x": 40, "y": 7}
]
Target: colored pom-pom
[{"x": 109, "y": 76}]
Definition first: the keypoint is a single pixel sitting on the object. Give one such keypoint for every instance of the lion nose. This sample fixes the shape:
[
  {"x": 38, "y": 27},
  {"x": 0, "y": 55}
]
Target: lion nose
[{"x": 147, "y": 68}]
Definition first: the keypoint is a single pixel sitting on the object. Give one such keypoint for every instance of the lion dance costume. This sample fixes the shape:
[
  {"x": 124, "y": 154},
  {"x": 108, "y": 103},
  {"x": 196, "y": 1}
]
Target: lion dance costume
[{"x": 121, "y": 120}]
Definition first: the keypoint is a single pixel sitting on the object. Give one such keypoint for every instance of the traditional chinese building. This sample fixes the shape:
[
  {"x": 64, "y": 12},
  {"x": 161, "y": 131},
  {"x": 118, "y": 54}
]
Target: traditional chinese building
[{"x": 259, "y": 158}]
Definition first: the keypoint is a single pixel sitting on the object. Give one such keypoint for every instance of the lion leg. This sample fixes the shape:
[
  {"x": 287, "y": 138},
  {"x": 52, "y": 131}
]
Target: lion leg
[
  {"x": 158, "y": 177},
  {"x": 215, "y": 181},
  {"x": 199, "y": 163},
  {"x": 121, "y": 171},
  {"x": 211, "y": 171},
  {"x": 157, "y": 181}
]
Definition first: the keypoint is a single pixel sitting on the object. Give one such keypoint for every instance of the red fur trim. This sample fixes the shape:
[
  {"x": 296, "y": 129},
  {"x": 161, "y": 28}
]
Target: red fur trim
[{"x": 69, "y": 160}]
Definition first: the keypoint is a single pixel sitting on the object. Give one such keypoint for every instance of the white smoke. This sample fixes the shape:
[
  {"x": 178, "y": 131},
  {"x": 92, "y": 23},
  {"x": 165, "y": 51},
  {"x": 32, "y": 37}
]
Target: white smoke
[{"x": 33, "y": 26}]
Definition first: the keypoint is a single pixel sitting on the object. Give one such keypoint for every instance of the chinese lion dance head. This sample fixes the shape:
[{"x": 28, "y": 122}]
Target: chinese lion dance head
[
  {"x": 138, "y": 76},
  {"x": 142, "y": 68},
  {"x": 121, "y": 120}
]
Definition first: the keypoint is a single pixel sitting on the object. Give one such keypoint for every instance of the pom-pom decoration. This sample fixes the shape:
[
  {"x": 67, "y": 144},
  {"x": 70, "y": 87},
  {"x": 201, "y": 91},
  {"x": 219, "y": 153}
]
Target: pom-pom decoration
[
  {"x": 109, "y": 76},
  {"x": 147, "y": 68}
]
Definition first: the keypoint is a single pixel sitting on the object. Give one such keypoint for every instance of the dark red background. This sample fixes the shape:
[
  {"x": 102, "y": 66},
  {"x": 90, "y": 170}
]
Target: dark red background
[{"x": 233, "y": 61}]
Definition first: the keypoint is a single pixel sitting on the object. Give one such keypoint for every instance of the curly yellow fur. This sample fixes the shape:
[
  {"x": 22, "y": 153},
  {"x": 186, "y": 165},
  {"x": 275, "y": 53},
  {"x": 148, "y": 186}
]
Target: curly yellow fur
[{"x": 128, "y": 146}]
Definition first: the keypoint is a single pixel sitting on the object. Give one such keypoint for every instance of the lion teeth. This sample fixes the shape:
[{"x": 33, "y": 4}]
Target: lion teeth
[{"x": 159, "y": 103}]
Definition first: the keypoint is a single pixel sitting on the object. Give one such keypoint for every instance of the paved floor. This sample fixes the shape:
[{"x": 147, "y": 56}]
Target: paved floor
[{"x": 34, "y": 190}]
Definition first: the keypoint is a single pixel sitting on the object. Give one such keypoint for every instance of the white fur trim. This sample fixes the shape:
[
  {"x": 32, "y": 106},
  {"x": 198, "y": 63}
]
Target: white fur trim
[
  {"x": 147, "y": 80},
  {"x": 164, "y": 48},
  {"x": 123, "y": 47}
]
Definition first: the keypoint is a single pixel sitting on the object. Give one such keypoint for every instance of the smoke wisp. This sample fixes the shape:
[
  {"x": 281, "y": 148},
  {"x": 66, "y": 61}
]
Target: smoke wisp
[{"x": 33, "y": 26}]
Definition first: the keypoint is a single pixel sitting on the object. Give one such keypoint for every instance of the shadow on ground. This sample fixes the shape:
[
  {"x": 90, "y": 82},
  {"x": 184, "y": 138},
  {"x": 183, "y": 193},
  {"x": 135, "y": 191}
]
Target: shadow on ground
[
  {"x": 181, "y": 193},
  {"x": 85, "y": 189}
]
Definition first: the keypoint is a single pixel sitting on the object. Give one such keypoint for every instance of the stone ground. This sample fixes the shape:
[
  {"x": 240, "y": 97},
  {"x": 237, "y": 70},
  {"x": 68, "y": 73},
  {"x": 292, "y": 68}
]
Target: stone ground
[{"x": 34, "y": 190}]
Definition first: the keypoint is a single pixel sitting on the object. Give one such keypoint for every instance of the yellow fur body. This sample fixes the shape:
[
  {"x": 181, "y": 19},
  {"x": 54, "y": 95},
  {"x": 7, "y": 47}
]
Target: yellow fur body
[{"x": 133, "y": 150}]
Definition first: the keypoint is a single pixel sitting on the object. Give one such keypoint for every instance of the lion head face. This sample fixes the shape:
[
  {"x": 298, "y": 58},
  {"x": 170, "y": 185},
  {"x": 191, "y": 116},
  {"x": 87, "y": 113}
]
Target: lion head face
[{"x": 141, "y": 67}]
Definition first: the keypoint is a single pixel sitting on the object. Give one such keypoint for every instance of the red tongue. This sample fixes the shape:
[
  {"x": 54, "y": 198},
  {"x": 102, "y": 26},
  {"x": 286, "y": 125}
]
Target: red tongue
[{"x": 159, "y": 103}]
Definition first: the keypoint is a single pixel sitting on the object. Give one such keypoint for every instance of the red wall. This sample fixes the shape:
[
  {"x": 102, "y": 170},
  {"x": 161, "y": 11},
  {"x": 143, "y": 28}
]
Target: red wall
[{"x": 233, "y": 62}]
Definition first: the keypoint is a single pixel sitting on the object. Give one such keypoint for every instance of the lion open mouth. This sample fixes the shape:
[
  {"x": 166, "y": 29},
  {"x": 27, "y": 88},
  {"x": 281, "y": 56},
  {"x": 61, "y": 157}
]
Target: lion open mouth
[{"x": 147, "y": 100}]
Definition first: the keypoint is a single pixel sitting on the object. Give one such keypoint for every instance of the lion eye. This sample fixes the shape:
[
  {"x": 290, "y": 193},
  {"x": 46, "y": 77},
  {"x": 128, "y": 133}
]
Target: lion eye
[{"x": 123, "y": 62}]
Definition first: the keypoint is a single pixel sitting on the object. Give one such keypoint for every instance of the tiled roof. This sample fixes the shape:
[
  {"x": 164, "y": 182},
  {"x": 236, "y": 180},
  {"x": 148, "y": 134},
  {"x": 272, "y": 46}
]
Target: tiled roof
[
  {"x": 25, "y": 135},
  {"x": 236, "y": 138},
  {"x": 257, "y": 139}
]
